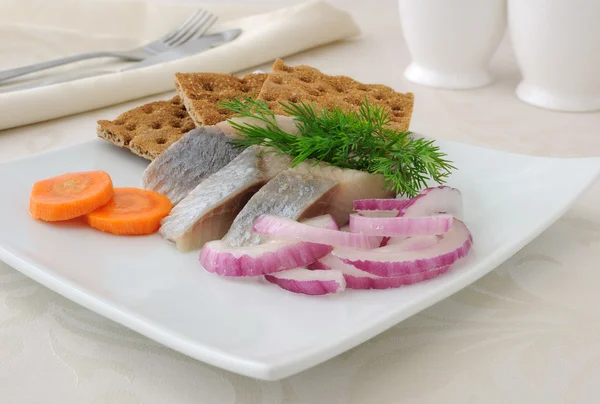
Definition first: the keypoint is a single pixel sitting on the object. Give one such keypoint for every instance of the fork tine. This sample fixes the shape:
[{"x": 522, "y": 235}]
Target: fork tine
[
  {"x": 207, "y": 27},
  {"x": 196, "y": 31},
  {"x": 190, "y": 20},
  {"x": 192, "y": 31},
  {"x": 193, "y": 27}
]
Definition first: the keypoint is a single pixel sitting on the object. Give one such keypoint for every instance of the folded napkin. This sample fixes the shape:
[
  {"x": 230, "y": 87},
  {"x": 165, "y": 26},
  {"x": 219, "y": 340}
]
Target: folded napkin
[{"x": 77, "y": 26}]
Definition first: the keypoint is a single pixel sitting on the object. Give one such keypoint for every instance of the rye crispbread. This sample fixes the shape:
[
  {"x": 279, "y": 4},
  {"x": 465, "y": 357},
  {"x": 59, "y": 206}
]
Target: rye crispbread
[
  {"x": 202, "y": 92},
  {"x": 149, "y": 129},
  {"x": 304, "y": 84}
]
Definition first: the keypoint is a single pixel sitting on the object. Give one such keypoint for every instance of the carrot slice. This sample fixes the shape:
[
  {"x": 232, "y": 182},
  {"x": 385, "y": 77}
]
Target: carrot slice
[
  {"x": 70, "y": 195},
  {"x": 131, "y": 211}
]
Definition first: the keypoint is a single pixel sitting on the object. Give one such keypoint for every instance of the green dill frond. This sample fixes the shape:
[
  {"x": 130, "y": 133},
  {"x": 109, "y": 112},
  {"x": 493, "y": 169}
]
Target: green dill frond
[{"x": 359, "y": 140}]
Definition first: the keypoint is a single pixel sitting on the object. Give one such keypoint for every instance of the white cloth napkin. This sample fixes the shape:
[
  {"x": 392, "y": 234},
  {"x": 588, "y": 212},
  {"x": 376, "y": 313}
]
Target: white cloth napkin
[{"x": 38, "y": 30}]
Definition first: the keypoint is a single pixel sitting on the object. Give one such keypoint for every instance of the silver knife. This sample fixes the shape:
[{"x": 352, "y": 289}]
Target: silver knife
[{"x": 190, "y": 48}]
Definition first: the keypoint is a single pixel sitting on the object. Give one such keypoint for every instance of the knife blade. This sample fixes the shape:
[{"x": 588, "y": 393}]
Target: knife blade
[{"x": 190, "y": 48}]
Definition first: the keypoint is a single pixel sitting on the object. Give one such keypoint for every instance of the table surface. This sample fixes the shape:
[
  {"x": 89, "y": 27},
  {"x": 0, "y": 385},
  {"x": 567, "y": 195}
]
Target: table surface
[{"x": 527, "y": 332}]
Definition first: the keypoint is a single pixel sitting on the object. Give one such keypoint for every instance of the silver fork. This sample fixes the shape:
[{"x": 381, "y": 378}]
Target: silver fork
[{"x": 194, "y": 27}]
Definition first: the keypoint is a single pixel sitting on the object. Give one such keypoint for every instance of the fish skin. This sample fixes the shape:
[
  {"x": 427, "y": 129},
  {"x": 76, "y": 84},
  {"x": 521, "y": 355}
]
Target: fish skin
[
  {"x": 313, "y": 189},
  {"x": 207, "y": 212},
  {"x": 290, "y": 194},
  {"x": 187, "y": 162}
]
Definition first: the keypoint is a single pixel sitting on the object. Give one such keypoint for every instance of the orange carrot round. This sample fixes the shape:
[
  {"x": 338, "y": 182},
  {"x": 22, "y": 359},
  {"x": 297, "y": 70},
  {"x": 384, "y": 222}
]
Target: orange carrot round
[
  {"x": 70, "y": 195},
  {"x": 131, "y": 211}
]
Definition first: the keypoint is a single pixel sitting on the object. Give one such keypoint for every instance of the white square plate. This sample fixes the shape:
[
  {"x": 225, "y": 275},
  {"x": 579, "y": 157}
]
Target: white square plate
[{"x": 249, "y": 326}]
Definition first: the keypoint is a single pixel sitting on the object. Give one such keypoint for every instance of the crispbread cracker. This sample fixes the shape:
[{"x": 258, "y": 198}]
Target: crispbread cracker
[
  {"x": 304, "y": 84},
  {"x": 149, "y": 129},
  {"x": 202, "y": 92}
]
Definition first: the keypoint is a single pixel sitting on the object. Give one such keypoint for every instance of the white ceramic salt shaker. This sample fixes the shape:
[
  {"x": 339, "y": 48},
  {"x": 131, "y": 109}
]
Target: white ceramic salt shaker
[
  {"x": 451, "y": 42},
  {"x": 557, "y": 46}
]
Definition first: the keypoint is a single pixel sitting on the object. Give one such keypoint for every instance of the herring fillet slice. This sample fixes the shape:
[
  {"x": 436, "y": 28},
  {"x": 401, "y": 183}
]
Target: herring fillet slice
[
  {"x": 290, "y": 195},
  {"x": 273, "y": 199},
  {"x": 353, "y": 185},
  {"x": 207, "y": 212},
  {"x": 187, "y": 162}
]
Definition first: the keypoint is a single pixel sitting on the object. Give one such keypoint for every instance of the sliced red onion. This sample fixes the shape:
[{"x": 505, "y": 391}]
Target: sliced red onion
[
  {"x": 318, "y": 265},
  {"x": 271, "y": 256},
  {"x": 362, "y": 282},
  {"x": 389, "y": 261},
  {"x": 357, "y": 279},
  {"x": 289, "y": 229},
  {"x": 379, "y": 207},
  {"x": 378, "y": 213},
  {"x": 400, "y": 226},
  {"x": 321, "y": 262},
  {"x": 414, "y": 243},
  {"x": 324, "y": 222},
  {"x": 384, "y": 241},
  {"x": 379, "y": 204},
  {"x": 433, "y": 201},
  {"x": 302, "y": 280},
  {"x": 277, "y": 255}
]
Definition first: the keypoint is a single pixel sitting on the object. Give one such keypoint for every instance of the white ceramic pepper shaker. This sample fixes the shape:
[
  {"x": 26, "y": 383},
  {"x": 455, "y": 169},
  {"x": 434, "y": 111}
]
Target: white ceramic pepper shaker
[
  {"x": 557, "y": 46},
  {"x": 451, "y": 42}
]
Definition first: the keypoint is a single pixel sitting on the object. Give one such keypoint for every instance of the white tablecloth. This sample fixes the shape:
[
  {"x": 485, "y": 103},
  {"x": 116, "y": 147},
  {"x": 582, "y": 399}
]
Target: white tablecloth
[{"x": 527, "y": 332}]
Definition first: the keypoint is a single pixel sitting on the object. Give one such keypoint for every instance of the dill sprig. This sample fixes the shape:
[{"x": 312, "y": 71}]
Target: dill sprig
[{"x": 359, "y": 140}]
